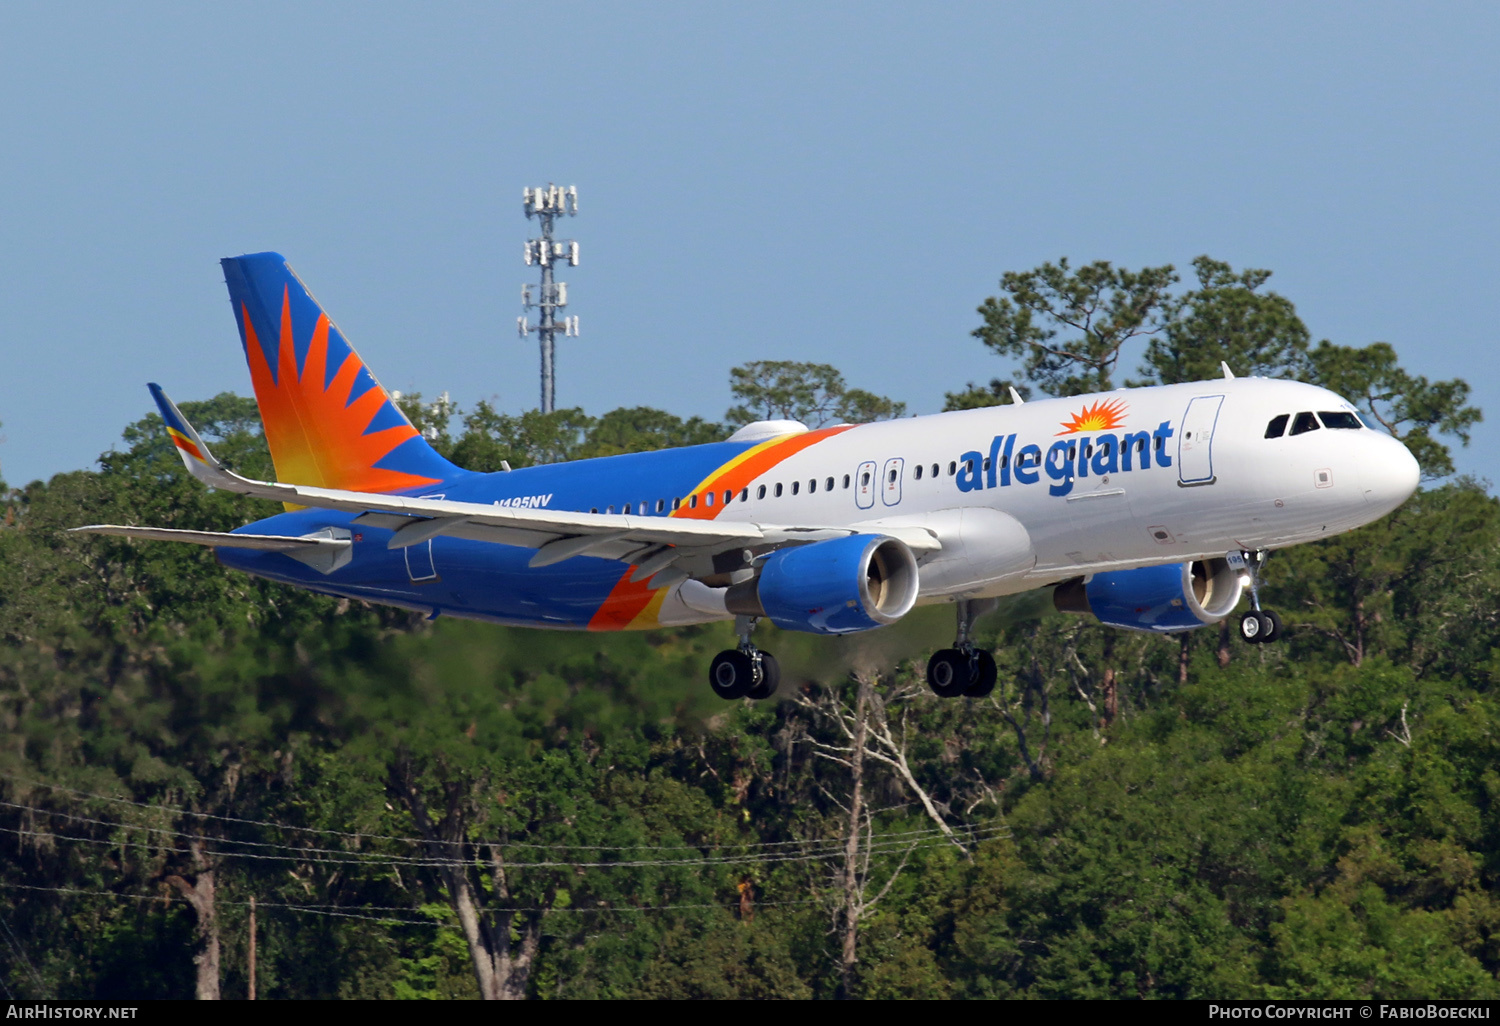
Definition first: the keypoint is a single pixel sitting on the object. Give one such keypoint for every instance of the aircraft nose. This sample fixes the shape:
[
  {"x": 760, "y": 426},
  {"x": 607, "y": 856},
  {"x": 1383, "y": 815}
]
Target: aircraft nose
[{"x": 1390, "y": 472}]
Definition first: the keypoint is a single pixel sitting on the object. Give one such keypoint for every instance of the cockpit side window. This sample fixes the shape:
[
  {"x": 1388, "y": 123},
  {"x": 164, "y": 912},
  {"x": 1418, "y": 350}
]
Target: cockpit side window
[
  {"x": 1339, "y": 419},
  {"x": 1304, "y": 423},
  {"x": 1277, "y": 427}
]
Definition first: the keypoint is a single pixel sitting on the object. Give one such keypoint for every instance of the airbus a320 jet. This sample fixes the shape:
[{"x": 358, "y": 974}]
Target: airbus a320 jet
[{"x": 1150, "y": 509}]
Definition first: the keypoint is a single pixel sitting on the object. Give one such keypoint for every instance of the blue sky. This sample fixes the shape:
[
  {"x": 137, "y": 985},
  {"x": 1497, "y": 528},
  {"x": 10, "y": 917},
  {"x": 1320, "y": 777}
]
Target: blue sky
[{"x": 833, "y": 182}]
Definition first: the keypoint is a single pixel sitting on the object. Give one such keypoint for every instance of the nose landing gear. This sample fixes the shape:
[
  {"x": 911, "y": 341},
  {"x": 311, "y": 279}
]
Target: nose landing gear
[
  {"x": 1259, "y": 626},
  {"x": 746, "y": 671},
  {"x": 963, "y": 670}
]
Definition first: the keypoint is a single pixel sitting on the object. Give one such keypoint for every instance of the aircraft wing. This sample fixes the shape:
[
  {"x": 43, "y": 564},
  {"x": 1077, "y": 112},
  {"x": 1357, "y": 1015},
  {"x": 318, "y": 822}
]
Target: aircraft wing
[
  {"x": 264, "y": 542},
  {"x": 555, "y": 534}
]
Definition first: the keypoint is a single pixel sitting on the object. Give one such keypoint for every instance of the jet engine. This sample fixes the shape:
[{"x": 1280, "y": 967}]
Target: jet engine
[
  {"x": 1159, "y": 599},
  {"x": 838, "y": 586}
]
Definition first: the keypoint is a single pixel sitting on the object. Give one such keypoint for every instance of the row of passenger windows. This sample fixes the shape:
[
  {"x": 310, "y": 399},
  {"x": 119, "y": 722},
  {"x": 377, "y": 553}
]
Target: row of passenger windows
[
  {"x": 1308, "y": 421},
  {"x": 778, "y": 490},
  {"x": 724, "y": 498}
]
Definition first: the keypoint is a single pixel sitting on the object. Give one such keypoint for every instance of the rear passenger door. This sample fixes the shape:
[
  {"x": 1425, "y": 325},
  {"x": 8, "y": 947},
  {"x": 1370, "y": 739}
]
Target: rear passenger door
[{"x": 890, "y": 481}]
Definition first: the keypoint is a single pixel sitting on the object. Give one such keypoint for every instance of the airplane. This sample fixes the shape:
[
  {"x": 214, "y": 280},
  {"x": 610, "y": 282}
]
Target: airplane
[{"x": 1150, "y": 509}]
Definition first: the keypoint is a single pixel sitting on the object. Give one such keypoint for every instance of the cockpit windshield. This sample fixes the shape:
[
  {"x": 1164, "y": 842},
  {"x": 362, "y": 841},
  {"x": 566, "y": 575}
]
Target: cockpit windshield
[{"x": 1339, "y": 419}]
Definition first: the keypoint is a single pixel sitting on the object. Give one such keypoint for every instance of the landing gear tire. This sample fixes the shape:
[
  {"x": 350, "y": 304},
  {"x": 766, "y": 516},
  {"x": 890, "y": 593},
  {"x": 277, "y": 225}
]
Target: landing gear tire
[
  {"x": 732, "y": 674},
  {"x": 985, "y": 673},
  {"x": 770, "y": 677},
  {"x": 1252, "y": 628},
  {"x": 1271, "y": 627},
  {"x": 1260, "y": 628},
  {"x": 948, "y": 673}
]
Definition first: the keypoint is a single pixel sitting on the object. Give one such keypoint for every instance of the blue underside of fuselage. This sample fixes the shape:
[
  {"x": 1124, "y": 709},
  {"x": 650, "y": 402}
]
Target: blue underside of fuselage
[{"x": 483, "y": 580}]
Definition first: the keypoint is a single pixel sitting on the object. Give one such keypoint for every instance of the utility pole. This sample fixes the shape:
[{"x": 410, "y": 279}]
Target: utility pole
[
  {"x": 550, "y": 297},
  {"x": 252, "y": 947}
]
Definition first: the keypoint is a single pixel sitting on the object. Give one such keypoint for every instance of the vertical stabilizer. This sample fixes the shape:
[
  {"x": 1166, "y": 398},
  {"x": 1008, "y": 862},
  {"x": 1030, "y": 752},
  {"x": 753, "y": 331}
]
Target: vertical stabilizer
[{"x": 328, "y": 422}]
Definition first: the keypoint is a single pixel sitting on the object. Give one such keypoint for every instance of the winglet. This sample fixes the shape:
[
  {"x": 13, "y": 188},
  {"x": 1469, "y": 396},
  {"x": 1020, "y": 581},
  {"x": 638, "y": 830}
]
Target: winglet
[{"x": 195, "y": 455}]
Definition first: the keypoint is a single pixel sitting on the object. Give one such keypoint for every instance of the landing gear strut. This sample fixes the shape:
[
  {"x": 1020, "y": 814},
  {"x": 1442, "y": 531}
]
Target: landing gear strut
[
  {"x": 746, "y": 671},
  {"x": 1259, "y": 626},
  {"x": 963, "y": 670}
]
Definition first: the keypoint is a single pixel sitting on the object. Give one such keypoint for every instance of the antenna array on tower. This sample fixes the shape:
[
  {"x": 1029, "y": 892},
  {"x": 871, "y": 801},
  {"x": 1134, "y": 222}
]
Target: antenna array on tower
[{"x": 550, "y": 297}]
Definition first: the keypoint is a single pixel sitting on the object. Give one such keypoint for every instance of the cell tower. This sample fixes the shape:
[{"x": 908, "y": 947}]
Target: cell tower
[{"x": 547, "y": 205}]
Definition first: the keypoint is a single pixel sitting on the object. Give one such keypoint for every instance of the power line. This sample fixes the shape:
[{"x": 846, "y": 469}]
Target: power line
[
  {"x": 438, "y": 842},
  {"x": 15, "y": 945},
  {"x": 343, "y": 912},
  {"x": 373, "y": 859}
]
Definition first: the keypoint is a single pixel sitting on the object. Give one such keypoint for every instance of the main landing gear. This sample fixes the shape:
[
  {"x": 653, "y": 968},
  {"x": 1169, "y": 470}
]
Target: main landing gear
[
  {"x": 1259, "y": 626},
  {"x": 963, "y": 670},
  {"x": 746, "y": 671}
]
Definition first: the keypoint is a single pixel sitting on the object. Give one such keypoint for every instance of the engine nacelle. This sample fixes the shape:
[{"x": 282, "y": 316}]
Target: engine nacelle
[
  {"x": 1159, "y": 599},
  {"x": 838, "y": 586}
]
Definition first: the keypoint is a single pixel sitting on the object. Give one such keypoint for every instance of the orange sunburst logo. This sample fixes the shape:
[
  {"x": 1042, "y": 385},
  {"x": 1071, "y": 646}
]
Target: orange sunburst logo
[
  {"x": 1100, "y": 416},
  {"x": 315, "y": 428}
]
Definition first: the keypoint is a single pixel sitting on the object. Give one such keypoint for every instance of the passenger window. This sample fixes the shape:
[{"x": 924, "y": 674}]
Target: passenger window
[
  {"x": 893, "y": 475},
  {"x": 1072, "y": 451},
  {"x": 812, "y": 486},
  {"x": 952, "y": 468},
  {"x": 864, "y": 479},
  {"x": 1277, "y": 427},
  {"x": 1340, "y": 419},
  {"x": 919, "y": 471},
  {"x": 1088, "y": 450},
  {"x": 796, "y": 487},
  {"x": 610, "y": 510},
  {"x": 676, "y": 503},
  {"x": 778, "y": 489},
  {"x": 708, "y": 498},
  {"x": 846, "y": 482},
  {"x": 661, "y": 505},
  {"x": 935, "y": 470},
  {"x": 595, "y": 509},
  {"x": 986, "y": 463},
  {"x": 1304, "y": 423},
  {"x": 828, "y": 485},
  {"x": 761, "y": 492},
  {"x": 692, "y": 501}
]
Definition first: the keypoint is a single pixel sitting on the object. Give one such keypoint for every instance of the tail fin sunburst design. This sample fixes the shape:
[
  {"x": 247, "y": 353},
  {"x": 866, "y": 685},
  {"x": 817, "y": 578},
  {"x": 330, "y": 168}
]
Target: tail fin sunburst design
[
  {"x": 328, "y": 422},
  {"x": 1104, "y": 415}
]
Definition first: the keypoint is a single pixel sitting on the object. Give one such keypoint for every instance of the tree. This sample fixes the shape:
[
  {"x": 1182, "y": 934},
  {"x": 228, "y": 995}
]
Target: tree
[
  {"x": 813, "y": 393},
  {"x": 642, "y": 429},
  {"x": 492, "y": 439},
  {"x": 1068, "y": 326},
  {"x": 1227, "y": 318}
]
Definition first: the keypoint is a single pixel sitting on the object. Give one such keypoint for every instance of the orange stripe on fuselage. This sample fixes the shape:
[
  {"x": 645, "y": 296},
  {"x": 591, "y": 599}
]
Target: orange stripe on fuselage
[
  {"x": 737, "y": 474},
  {"x": 634, "y": 606}
]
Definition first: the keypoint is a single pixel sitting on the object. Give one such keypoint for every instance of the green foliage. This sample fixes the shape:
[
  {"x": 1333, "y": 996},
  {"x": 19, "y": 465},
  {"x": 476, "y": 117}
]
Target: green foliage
[
  {"x": 813, "y": 393},
  {"x": 1068, "y": 326},
  {"x": 1228, "y": 319},
  {"x": 1140, "y": 816}
]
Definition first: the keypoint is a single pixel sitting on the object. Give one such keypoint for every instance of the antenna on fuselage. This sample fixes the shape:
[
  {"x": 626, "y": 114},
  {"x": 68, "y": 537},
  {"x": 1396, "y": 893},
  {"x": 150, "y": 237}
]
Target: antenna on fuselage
[
  {"x": 1015, "y": 396},
  {"x": 1229, "y": 374}
]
